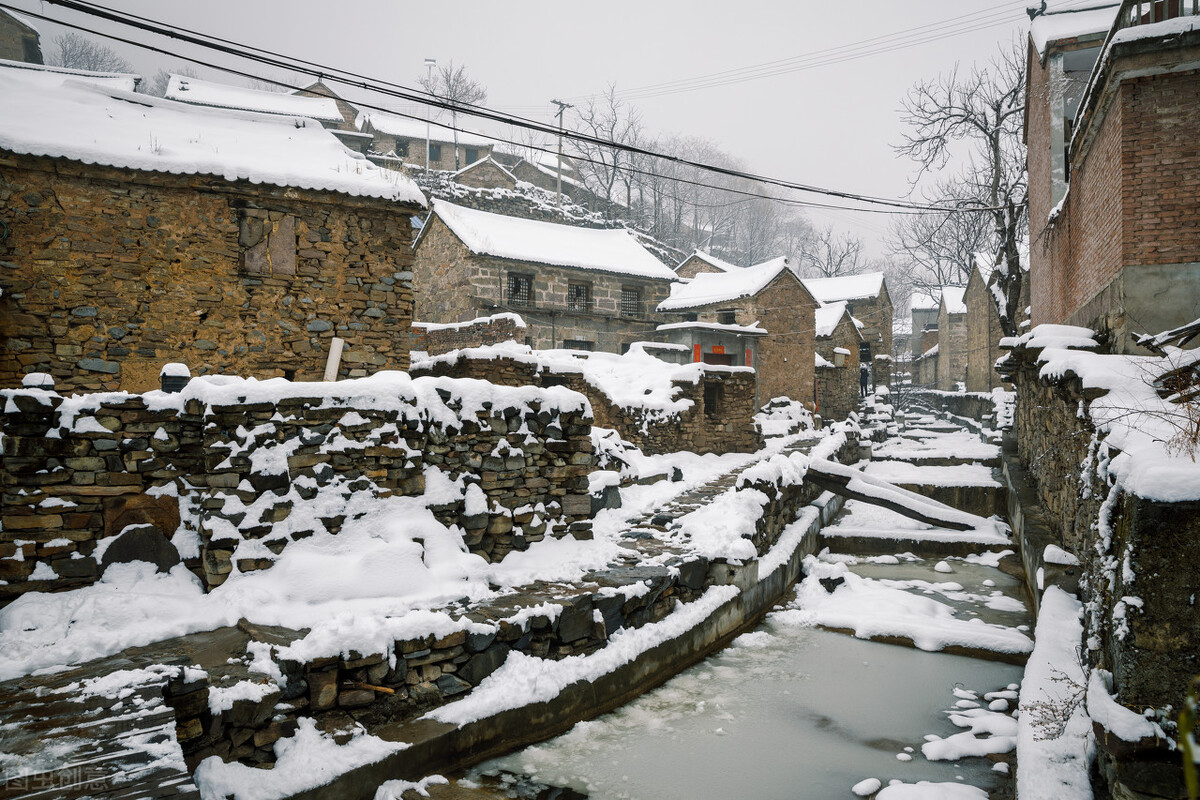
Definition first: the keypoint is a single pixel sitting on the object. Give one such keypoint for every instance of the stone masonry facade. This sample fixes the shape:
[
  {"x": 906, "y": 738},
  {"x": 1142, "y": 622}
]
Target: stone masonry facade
[
  {"x": 109, "y": 273},
  {"x": 454, "y": 284},
  {"x": 18, "y": 41},
  {"x": 952, "y": 349},
  {"x": 838, "y": 387},
  {"x": 983, "y": 335}
]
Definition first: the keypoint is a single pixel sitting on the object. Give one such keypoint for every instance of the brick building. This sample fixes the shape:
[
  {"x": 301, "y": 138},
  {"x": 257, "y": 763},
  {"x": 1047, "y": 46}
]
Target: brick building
[
  {"x": 952, "y": 338},
  {"x": 768, "y": 296},
  {"x": 582, "y": 288},
  {"x": 983, "y": 331},
  {"x": 404, "y": 138},
  {"x": 19, "y": 40},
  {"x": 837, "y": 343},
  {"x": 142, "y": 231},
  {"x": 867, "y": 300},
  {"x": 1114, "y": 252}
]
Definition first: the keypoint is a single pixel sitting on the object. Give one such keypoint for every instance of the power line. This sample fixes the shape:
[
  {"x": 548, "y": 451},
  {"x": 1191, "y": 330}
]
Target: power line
[{"x": 272, "y": 58}]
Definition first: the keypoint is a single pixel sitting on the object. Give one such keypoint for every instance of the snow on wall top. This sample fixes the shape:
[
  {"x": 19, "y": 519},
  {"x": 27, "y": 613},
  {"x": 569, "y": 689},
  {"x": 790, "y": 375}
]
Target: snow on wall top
[
  {"x": 1175, "y": 26},
  {"x": 953, "y": 296},
  {"x": 923, "y": 302},
  {"x": 49, "y": 114},
  {"x": 55, "y": 76},
  {"x": 207, "y": 93},
  {"x": 742, "y": 330},
  {"x": 407, "y": 128},
  {"x": 1058, "y": 25},
  {"x": 721, "y": 287},
  {"x": 605, "y": 250},
  {"x": 846, "y": 287},
  {"x": 711, "y": 260}
]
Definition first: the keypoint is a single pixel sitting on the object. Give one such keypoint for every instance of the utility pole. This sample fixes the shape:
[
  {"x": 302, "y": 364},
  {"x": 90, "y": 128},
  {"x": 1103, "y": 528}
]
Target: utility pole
[
  {"x": 561, "y": 108},
  {"x": 430, "y": 63}
]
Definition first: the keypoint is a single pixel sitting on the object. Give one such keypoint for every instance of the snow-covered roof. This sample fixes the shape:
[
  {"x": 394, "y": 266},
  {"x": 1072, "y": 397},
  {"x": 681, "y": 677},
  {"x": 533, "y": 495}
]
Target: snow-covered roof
[
  {"x": 924, "y": 302},
  {"x": 722, "y": 287},
  {"x": 409, "y": 128},
  {"x": 47, "y": 113},
  {"x": 741, "y": 330},
  {"x": 1054, "y": 26},
  {"x": 952, "y": 296},
  {"x": 54, "y": 76},
  {"x": 495, "y": 163},
  {"x": 606, "y": 250},
  {"x": 552, "y": 171},
  {"x": 846, "y": 287},
  {"x": 220, "y": 95},
  {"x": 829, "y": 315},
  {"x": 711, "y": 260}
]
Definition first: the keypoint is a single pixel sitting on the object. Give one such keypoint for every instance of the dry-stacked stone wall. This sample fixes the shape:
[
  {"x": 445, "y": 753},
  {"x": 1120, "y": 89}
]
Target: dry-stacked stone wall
[
  {"x": 719, "y": 420},
  {"x": 227, "y": 476},
  {"x": 438, "y": 339}
]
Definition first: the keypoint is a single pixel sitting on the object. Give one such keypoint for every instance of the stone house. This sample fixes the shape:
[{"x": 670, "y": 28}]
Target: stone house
[
  {"x": 700, "y": 262},
  {"x": 983, "y": 331},
  {"x": 713, "y": 343},
  {"x": 404, "y": 138},
  {"x": 925, "y": 368},
  {"x": 924, "y": 312},
  {"x": 19, "y": 40},
  {"x": 1111, "y": 111},
  {"x": 867, "y": 300},
  {"x": 768, "y": 296},
  {"x": 952, "y": 338},
  {"x": 837, "y": 343},
  {"x": 581, "y": 288},
  {"x": 236, "y": 242},
  {"x": 486, "y": 173}
]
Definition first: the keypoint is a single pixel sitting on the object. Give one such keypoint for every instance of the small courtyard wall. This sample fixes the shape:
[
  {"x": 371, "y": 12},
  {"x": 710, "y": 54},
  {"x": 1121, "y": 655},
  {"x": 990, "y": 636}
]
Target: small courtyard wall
[
  {"x": 108, "y": 273},
  {"x": 234, "y": 475},
  {"x": 434, "y": 339}
]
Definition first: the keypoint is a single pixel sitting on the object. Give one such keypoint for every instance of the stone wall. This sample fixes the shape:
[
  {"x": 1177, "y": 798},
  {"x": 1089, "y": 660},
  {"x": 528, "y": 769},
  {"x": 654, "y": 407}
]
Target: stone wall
[
  {"x": 18, "y": 41},
  {"x": 229, "y": 475},
  {"x": 454, "y": 284},
  {"x": 838, "y": 387},
  {"x": 875, "y": 313},
  {"x": 109, "y": 273},
  {"x": 435, "y": 339},
  {"x": 1139, "y": 564},
  {"x": 720, "y": 419},
  {"x": 952, "y": 350},
  {"x": 486, "y": 175}
]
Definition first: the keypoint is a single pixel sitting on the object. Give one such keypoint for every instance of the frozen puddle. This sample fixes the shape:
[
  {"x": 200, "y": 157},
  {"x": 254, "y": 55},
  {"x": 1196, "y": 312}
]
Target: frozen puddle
[{"x": 794, "y": 711}]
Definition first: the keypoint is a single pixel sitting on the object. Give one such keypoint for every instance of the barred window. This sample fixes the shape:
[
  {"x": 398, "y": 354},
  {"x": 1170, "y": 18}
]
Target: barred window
[
  {"x": 631, "y": 301},
  {"x": 579, "y": 296},
  {"x": 578, "y": 344},
  {"x": 520, "y": 289},
  {"x": 727, "y": 317}
]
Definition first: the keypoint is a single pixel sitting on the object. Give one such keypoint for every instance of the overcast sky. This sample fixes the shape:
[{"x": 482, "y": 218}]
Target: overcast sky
[{"x": 829, "y": 116}]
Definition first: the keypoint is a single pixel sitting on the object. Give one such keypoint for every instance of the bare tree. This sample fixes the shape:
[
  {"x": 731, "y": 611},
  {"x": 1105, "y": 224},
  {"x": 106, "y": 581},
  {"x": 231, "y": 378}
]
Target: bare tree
[
  {"x": 616, "y": 124},
  {"x": 828, "y": 254},
  {"x": 938, "y": 249},
  {"x": 76, "y": 51},
  {"x": 984, "y": 109},
  {"x": 157, "y": 85},
  {"x": 458, "y": 90}
]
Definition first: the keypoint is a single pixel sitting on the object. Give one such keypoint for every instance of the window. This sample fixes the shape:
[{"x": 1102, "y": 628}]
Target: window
[
  {"x": 472, "y": 154},
  {"x": 435, "y": 152},
  {"x": 578, "y": 344},
  {"x": 579, "y": 296},
  {"x": 727, "y": 317},
  {"x": 864, "y": 352},
  {"x": 714, "y": 394},
  {"x": 631, "y": 301},
  {"x": 691, "y": 316},
  {"x": 520, "y": 289},
  {"x": 401, "y": 148}
]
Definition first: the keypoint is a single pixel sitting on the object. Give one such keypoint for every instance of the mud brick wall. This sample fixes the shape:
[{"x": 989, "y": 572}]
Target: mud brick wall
[
  {"x": 229, "y": 482},
  {"x": 109, "y": 273},
  {"x": 728, "y": 426},
  {"x": 438, "y": 339}
]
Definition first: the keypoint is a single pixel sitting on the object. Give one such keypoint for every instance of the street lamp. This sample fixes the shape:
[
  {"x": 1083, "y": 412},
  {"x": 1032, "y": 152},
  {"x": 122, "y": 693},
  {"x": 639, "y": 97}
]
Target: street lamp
[{"x": 430, "y": 63}]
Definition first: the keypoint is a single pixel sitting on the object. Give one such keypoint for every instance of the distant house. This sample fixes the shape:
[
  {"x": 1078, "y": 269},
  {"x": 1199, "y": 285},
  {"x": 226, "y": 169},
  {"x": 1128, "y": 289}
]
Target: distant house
[
  {"x": 925, "y": 368},
  {"x": 768, "y": 296},
  {"x": 233, "y": 241},
  {"x": 486, "y": 173},
  {"x": 700, "y": 262},
  {"x": 983, "y": 328},
  {"x": 19, "y": 40},
  {"x": 582, "y": 288},
  {"x": 867, "y": 300},
  {"x": 837, "y": 345},
  {"x": 1112, "y": 110},
  {"x": 924, "y": 311},
  {"x": 404, "y": 138},
  {"x": 952, "y": 338}
]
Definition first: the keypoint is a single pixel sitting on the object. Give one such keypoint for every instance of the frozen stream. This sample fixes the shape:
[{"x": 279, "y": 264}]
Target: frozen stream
[{"x": 788, "y": 712}]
